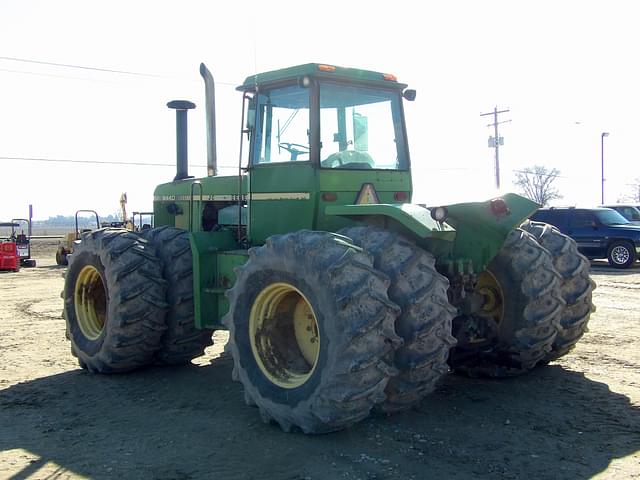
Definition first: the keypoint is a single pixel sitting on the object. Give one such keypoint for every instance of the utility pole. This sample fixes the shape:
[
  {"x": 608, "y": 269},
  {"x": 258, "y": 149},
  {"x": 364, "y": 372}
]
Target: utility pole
[
  {"x": 497, "y": 140},
  {"x": 604, "y": 134}
]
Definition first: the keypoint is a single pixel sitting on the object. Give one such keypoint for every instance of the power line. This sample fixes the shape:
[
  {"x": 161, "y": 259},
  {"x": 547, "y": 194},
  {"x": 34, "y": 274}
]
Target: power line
[
  {"x": 95, "y": 162},
  {"x": 39, "y": 74},
  {"x": 82, "y": 67},
  {"x": 95, "y": 69}
]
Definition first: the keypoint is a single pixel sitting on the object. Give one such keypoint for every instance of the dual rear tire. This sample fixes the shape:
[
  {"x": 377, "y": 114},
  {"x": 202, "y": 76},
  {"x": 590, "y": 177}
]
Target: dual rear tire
[
  {"x": 114, "y": 301},
  {"x": 128, "y": 300},
  {"x": 541, "y": 301}
]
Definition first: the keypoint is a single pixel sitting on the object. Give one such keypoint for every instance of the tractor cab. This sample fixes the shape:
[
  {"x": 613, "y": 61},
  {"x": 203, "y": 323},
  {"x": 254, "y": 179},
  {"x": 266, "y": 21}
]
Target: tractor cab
[
  {"x": 322, "y": 136},
  {"x": 333, "y": 117}
]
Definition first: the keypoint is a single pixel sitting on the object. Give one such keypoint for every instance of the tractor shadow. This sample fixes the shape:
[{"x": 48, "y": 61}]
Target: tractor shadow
[{"x": 192, "y": 423}]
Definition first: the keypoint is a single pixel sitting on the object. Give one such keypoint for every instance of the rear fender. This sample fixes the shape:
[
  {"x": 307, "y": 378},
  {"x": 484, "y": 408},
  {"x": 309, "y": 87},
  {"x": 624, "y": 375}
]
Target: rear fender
[
  {"x": 482, "y": 227},
  {"x": 465, "y": 243},
  {"x": 412, "y": 221}
]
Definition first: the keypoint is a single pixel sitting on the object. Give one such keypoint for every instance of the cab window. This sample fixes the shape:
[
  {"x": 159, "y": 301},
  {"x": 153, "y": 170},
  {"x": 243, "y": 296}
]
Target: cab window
[{"x": 282, "y": 126}]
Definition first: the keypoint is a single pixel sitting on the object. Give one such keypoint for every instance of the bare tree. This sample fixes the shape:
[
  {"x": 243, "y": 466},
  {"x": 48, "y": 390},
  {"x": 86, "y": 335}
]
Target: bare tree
[
  {"x": 537, "y": 184},
  {"x": 633, "y": 194}
]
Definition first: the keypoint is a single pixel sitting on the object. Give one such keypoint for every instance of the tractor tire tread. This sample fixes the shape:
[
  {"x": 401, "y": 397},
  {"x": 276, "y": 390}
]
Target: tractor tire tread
[
  {"x": 182, "y": 341},
  {"x": 424, "y": 323},
  {"x": 576, "y": 286},
  {"x": 362, "y": 338},
  {"x": 532, "y": 328},
  {"x": 136, "y": 308}
]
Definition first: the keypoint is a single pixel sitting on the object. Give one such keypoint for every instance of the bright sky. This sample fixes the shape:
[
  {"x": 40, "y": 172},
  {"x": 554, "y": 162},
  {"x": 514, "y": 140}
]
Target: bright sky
[{"x": 567, "y": 71}]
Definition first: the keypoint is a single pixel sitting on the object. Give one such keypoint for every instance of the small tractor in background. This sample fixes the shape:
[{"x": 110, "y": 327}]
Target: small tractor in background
[
  {"x": 23, "y": 241},
  {"x": 66, "y": 246},
  {"x": 139, "y": 221},
  {"x": 341, "y": 297}
]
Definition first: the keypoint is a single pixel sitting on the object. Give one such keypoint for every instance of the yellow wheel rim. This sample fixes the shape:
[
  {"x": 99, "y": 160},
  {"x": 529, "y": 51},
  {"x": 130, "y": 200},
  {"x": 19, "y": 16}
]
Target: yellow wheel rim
[
  {"x": 90, "y": 299},
  {"x": 284, "y": 335},
  {"x": 489, "y": 288}
]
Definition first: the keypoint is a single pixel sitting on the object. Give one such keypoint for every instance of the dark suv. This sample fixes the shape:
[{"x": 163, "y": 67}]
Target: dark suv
[{"x": 599, "y": 232}]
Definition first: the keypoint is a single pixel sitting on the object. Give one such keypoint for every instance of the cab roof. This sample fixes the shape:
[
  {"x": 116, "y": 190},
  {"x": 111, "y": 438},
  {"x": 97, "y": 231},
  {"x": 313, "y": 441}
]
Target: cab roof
[{"x": 320, "y": 70}]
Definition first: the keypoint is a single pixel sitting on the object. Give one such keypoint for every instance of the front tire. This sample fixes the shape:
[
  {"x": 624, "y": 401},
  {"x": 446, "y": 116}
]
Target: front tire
[
  {"x": 114, "y": 301},
  {"x": 425, "y": 319},
  {"x": 522, "y": 307},
  {"x": 61, "y": 256},
  {"x": 576, "y": 286},
  {"x": 311, "y": 331}
]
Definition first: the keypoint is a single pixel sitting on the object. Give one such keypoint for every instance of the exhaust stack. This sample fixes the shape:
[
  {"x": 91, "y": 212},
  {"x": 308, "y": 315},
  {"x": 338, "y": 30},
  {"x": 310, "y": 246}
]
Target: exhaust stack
[
  {"x": 182, "y": 165},
  {"x": 210, "y": 108}
]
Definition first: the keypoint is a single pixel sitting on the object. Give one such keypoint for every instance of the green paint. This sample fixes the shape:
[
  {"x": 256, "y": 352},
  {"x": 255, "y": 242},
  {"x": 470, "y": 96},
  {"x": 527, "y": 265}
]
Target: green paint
[
  {"x": 292, "y": 74},
  {"x": 210, "y": 275},
  {"x": 481, "y": 233},
  {"x": 413, "y": 220}
]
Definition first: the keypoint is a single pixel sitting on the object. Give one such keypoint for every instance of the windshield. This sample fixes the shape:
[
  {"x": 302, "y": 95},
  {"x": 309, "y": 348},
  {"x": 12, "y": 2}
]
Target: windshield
[
  {"x": 611, "y": 217},
  {"x": 361, "y": 128}
]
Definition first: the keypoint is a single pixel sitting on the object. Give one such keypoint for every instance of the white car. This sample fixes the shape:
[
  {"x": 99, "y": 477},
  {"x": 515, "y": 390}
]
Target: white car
[{"x": 628, "y": 210}]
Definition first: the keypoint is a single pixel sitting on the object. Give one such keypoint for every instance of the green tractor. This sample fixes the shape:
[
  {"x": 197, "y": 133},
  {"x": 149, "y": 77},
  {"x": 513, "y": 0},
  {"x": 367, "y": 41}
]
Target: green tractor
[{"x": 341, "y": 297}]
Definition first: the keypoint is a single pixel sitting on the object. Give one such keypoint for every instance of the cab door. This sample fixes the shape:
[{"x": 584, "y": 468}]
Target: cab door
[{"x": 282, "y": 179}]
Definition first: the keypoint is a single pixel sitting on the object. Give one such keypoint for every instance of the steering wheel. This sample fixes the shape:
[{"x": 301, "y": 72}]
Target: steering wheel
[{"x": 290, "y": 147}]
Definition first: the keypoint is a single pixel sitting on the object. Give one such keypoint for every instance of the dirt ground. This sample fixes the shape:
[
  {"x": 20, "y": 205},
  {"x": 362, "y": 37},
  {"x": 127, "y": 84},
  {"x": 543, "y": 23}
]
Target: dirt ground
[{"x": 575, "y": 419}]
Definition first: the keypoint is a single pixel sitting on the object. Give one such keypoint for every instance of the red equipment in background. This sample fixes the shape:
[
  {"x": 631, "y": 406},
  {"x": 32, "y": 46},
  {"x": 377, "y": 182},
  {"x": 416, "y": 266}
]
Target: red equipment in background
[{"x": 9, "y": 256}]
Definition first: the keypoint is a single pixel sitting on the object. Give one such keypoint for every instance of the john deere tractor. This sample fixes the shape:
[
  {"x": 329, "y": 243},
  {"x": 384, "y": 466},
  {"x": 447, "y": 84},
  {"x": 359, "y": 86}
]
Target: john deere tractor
[{"x": 341, "y": 297}]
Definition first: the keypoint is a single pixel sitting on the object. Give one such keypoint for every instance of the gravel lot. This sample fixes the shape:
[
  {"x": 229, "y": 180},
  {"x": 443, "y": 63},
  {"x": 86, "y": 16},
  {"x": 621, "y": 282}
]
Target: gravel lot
[{"x": 576, "y": 418}]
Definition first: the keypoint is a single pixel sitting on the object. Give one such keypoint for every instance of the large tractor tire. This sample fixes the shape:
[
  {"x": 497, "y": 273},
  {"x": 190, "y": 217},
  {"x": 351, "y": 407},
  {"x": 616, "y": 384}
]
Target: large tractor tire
[
  {"x": 576, "y": 286},
  {"x": 520, "y": 314},
  {"x": 114, "y": 301},
  {"x": 311, "y": 331},
  {"x": 182, "y": 341},
  {"x": 425, "y": 319}
]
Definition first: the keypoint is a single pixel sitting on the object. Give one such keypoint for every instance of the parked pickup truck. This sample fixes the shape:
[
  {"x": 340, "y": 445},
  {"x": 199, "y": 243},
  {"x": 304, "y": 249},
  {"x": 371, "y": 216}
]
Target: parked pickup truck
[{"x": 599, "y": 232}]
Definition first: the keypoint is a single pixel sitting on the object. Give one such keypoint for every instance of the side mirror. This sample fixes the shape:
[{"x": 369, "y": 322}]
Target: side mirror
[
  {"x": 409, "y": 95},
  {"x": 594, "y": 225}
]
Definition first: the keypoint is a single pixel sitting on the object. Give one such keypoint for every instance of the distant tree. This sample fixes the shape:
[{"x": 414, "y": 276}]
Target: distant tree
[
  {"x": 537, "y": 184},
  {"x": 633, "y": 194}
]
